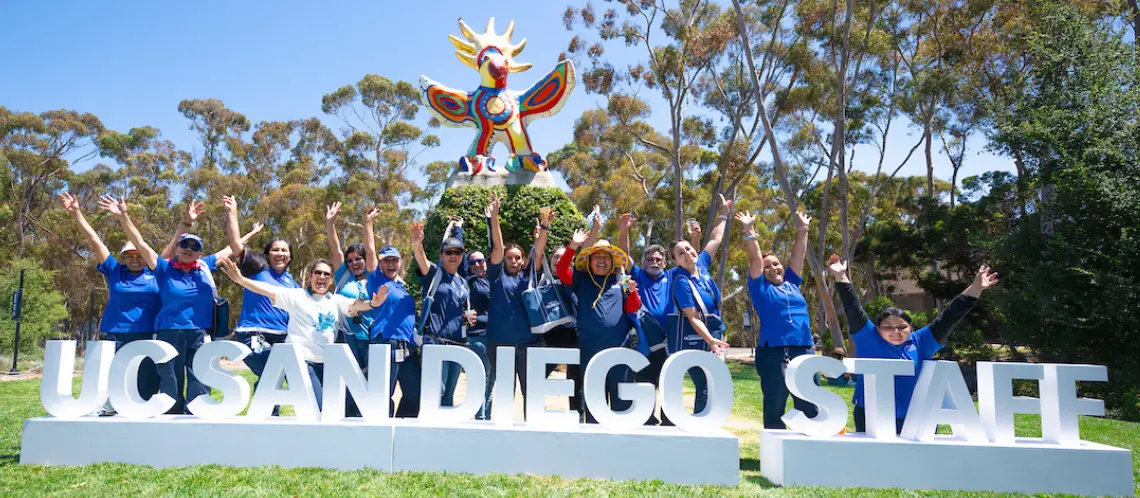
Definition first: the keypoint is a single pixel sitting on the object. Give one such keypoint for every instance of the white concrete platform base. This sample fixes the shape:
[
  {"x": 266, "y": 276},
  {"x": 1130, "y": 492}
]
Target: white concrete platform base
[
  {"x": 1030, "y": 466},
  {"x": 178, "y": 440},
  {"x": 502, "y": 177},
  {"x": 663, "y": 453},
  {"x": 646, "y": 453}
]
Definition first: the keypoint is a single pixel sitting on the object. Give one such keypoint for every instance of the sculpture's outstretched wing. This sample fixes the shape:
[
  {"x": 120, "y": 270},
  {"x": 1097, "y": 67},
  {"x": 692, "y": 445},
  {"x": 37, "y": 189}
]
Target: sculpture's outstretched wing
[
  {"x": 451, "y": 106},
  {"x": 547, "y": 96}
]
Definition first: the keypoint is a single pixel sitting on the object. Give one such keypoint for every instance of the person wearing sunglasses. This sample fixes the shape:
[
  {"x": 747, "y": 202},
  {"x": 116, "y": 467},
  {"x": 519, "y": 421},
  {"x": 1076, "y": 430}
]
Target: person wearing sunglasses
[
  {"x": 890, "y": 335},
  {"x": 480, "y": 288},
  {"x": 313, "y": 312},
  {"x": 260, "y": 324},
  {"x": 394, "y": 323},
  {"x": 186, "y": 291},
  {"x": 351, "y": 281},
  {"x": 447, "y": 317}
]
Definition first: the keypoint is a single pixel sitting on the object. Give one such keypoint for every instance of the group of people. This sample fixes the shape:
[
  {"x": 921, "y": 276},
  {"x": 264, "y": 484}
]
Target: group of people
[{"x": 357, "y": 297}]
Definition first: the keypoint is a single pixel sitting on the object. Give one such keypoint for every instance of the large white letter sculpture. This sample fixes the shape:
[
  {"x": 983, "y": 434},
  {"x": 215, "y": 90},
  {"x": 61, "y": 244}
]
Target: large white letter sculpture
[
  {"x": 342, "y": 373},
  {"x": 434, "y": 357},
  {"x": 539, "y": 386},
  {"x": 124, "y": 385},
  {"x": 879, "y": 392},
  {"x": 800, "y": 379},
  {"x": 640, "y": 394},
  {"x": 234, "y": 388},
  {"x": 719, "y": 405},
  {"x": 285, "y": 364},
  {"x": 941, "y": 384},
  {"x": 1060, "y": 404},
  {"x": 996, "y": 402},
  {"x": 59, "y": 365}
]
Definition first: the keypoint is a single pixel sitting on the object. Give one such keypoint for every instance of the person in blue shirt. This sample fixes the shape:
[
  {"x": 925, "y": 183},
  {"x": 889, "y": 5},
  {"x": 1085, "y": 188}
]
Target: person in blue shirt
[
  {"x": 260, "y": 324},
  {"x": 692, "y": 280},
  {"x": 446, "y": 320},
  {"x": 606, "y": 302},
  {"x": 890, "y": 335},
  {"x": 186, "y": 291},
  {"x": 394, "y": 322},
  {"x": 351, "y": 281},
  {"x": 480, "y": 288},
  {"x": 507, "y": 322},
  {"x": 785, "y": 326}
]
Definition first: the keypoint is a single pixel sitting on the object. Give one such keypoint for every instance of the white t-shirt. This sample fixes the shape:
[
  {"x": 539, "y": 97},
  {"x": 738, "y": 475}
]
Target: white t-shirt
[{"x": 312, "y": 319}]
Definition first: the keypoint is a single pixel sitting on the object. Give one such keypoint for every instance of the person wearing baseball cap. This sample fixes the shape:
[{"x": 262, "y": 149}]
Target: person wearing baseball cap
[{"x": 393, "y": 322}]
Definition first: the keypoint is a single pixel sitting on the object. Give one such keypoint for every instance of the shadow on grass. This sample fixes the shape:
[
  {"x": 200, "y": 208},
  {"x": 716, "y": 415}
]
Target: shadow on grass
[
  {"x": 750, "y": 464},
  {"x": 760, "y": 480},
  {"x": 9, "y": 458}
]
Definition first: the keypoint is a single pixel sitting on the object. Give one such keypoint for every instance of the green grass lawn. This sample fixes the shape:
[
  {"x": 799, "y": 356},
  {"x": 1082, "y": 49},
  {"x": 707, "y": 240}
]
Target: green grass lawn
[{"x": 20, "y": 400}]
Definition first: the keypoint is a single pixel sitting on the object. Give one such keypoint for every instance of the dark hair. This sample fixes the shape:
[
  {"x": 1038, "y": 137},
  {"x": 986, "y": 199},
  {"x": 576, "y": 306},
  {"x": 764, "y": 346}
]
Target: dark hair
[
  {"x": 269, "y": 246},
  {"x": 320, "y": 261},
  {"x": 673, "y": 248},
  {"x": 512, "y": 245},
  {"x": 356, "y": 247},
  {"x": 655, "y": 248},
  {"x": 892, "y": 311}
]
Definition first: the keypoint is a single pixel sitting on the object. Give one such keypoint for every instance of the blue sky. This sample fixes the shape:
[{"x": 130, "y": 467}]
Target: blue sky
[{"x": 131, "y": 64}]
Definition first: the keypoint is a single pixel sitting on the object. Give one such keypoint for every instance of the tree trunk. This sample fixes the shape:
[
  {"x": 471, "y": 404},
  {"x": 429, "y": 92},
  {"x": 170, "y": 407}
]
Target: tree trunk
[{"x": 929, "y": 138}]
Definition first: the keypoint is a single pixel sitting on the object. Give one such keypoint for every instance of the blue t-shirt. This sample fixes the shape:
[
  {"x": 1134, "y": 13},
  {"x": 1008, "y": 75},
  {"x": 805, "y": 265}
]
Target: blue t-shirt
[
  {"x": 655, "y": 292},
  {"x": 445, "y": 318},
  {"x": 920, "y": 346},
  {"x": 396, "y": 318},
  {"x": 133, "y": 301},
  {"x": 351, "y": 287},
  {"x": 480, "y": 289},
  {"x": 783, "y": 311},
  {"x": 684, "y": 282},
  {"x": 507, "y": 322},
  {"x": 257, "y": 312},
  {"x": 187, "y": 298},
  {"x": 602, "y": 321}
]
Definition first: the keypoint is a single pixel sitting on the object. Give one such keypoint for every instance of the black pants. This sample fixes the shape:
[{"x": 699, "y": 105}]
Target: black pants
[
  {"x": 771, "y": 364},
  {"x": 861, "y": 421}
]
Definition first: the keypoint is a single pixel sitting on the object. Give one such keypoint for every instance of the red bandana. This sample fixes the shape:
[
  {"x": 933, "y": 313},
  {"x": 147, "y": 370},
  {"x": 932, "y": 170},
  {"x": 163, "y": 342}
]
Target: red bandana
[{"x": 186, "y": 267}]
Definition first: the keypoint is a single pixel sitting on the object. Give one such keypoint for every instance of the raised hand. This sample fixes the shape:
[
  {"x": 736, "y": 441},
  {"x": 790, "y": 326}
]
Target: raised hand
[
  {"x": 982, "y": 281},
  {"x": 725, "y": 205},
  {"x": 695, "y": 227},
  {"x": 194, "y": 209},
  {"x": 117, "y": 207},
  {"x": 229, "y": 203},
  {"x": 631, "y": 286},
  {"x": 546, "y": 216},
  {"x": 746, "y": 218},
  {"x": 379, "y": 296},
  {"x": 493, "y": 206},
  {"x": 803, "y": 221},
  {"x": 417, "y": 231},
  {"x": 578, "y": 238},
  {"x": 257, "y": 226},
  {"x": 626, "y": 222},
  {"x": 372, "y": 214},
  {"x": 70, "y": 203},
  {"x": 837, "y": 268},
  {"x": 331, "y": 211},
  {"x": 229, "y": 268}
]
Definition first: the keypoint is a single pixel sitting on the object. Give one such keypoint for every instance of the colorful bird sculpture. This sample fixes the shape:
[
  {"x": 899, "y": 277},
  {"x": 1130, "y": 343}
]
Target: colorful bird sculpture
[{"x": 499, "y": 114}]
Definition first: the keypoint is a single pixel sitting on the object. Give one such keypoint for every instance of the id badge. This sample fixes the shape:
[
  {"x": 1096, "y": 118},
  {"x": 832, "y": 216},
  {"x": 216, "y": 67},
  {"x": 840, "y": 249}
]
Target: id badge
[
  {"x": 255, "y": 344},
  {"x": 401, "y": 354}
]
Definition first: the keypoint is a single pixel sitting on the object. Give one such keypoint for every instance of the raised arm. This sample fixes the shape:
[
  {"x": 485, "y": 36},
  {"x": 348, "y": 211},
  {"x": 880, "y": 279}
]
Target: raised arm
[
  {"x": 233, "y": 233},
  {"x": 544, "y": 221},
  {"x": 595, "y": 230},
  {"x": 696, "y": 234},
  {"x": 193, "y": 210},
  {"x": 118, "y": 209},
  {"x": 961, "y": 305},
  {"x": 336, "y": 257},
  {"x": 231, "y": 270},
  {"x": 856, "y": 316},
  {"x": 626, "y": 222},
  {"x": 94, "y": 243},
  {"x": 799, "y": 247},
  {"x": 422, "y": 262},
  {"x": 717, "y": 234},
  {"x": 496, "y": 230},
  {"x": 370, "y": 261},
  {"x": 562, "y": 267},
  {"x": 751, "y": 245}
]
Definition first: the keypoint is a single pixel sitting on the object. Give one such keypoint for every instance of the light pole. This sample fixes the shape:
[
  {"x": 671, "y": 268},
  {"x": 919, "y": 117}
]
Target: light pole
[{"x": 17, "y": 306}]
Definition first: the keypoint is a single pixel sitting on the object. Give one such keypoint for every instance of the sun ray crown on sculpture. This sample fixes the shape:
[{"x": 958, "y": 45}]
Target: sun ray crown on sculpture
[{"x": 499, "y": 115}]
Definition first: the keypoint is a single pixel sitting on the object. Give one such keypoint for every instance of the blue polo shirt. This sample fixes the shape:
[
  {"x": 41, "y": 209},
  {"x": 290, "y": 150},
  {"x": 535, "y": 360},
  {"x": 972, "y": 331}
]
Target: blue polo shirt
[
  {"x": 655, "y": 293},
  {"x": 258, "y": 314},
  {"x": 133, "y": 302},
  {"x": 783, "y": 311},
  {"x": 349, "y": 286},
  {"x": 602, "y": 321},
  {"x": 480, "y": 289},
  {"x": 445, "y": 317},
  {"x": 507, "y": 321},
  {"x": 396, "y": 318},
  {"x": 187, "y": 298},
  {"x": 919, "y": 346}
]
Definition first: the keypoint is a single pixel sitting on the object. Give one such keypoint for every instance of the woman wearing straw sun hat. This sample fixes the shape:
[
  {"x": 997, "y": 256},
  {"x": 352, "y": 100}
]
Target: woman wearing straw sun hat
[{"x": 606, "y": 296}]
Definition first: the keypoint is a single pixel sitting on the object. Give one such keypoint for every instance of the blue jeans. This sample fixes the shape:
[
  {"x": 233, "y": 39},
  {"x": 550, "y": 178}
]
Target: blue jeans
[
  {"x": 408, "y": 374},
  {"x": 148, "y": 371},
  {"x": 359, "y": 350},
  {"x": 616, "y": 376},
  {"x": 178, "y": 373},
  {"x": 478, "y": 344},
  {"x": 771, "y": 363},
  {"x": 449, "y": 377}
]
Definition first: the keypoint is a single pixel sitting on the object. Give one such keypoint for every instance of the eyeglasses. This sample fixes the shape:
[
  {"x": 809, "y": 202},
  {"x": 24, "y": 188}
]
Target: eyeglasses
[
  {"x": 355, "y": 260},
  {"x": 476, "y": 261},
  {"x": 898, "y": 328},
  {"x": 654, "y": 260},
  {"x": 322, "y": 273},
  {"x": 191, "y": 245},
  {"x": 453, "y": 253}
]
